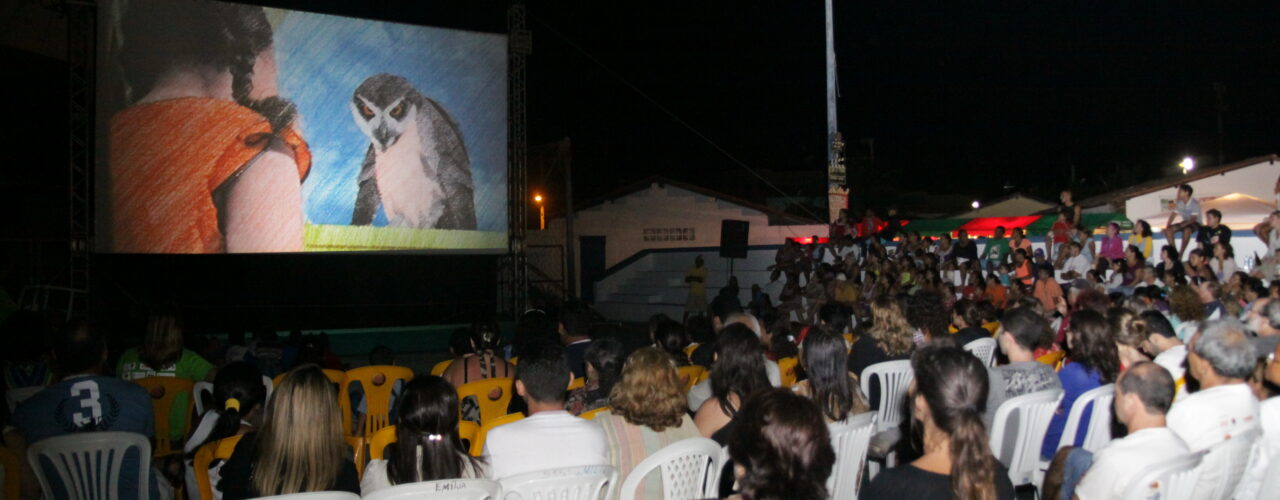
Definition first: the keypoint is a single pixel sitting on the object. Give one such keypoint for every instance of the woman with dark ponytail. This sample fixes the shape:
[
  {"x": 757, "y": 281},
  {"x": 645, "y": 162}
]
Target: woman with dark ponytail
[
  {"x": 238, "y": 397},
  {"x": 203, "y": 156},
  {"x": 948, "y": 397},
  {"x": 427, "y": 445}
]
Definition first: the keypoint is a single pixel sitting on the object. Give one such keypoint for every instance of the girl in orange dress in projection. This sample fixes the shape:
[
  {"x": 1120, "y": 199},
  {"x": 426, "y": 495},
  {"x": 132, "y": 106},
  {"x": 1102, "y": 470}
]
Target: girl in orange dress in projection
[{"x": 205, "y": 158}]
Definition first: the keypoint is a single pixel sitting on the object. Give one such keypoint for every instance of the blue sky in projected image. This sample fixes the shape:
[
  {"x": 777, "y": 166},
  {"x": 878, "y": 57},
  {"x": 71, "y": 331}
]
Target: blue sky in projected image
[{"x": 323, "y": 59}]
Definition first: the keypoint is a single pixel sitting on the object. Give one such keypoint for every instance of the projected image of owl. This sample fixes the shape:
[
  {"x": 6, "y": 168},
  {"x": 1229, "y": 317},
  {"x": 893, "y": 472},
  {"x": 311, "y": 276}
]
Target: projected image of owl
[{"x": 416, "y": 166}]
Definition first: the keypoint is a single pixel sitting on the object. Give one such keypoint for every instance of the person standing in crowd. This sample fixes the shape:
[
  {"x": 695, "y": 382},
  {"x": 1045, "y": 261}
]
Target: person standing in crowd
[
  {"x": 947, "y": 399},
  {"x": 1059, "y": 234},
  {"x": 696, "y": 277},
  {"x": 1188, "y": 209},
  {"x": 1073, "y": 209}
]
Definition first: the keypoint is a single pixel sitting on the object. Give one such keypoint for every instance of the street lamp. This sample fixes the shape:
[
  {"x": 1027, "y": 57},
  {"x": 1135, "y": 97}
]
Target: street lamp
[
  {"x": 975, "y": 204},
  {"x": 542, "y": 211},
  {"x": 1188, "y": 164}
]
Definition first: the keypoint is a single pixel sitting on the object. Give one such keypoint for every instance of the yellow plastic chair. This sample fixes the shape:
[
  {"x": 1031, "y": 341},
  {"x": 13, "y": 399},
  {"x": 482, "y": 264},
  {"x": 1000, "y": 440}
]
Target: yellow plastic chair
[
  {"x": 220, "y": 449},
  {"x": 515, "y": 360},
  {"x": 992, "y": 327},
  {"x": 688, "y": 350},
  {"x": 483, "y": 390},
  {"x": 477, "y": 445},
  {"x": 591, "y": 415},
  {"x": 578, "y": 383},
  {"x": 378, "y": 443},
  {"x": 357, "y": 447},
  {"x": 377, "y": 396},
  {"x": 168, "y": 393},
  {"x": 690, "y": 375},
  {"x": 467, "y": 431},
  {"x": 440, "y": 367},
  {"x": 787, "y": 368},
  {"x": 1053, "y": 359},
  {"x": 12, "y": 473}
]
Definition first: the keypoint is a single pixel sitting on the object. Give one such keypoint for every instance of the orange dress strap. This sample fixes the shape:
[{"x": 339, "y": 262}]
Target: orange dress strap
[{"x": 166, "y": 158}]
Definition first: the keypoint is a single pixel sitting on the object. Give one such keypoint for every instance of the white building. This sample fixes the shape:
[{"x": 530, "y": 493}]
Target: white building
[{"x": 632, "y": 248}]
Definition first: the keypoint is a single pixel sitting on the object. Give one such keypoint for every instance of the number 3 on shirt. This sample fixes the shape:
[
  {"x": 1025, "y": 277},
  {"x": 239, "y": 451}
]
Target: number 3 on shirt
[{"x": 87, "y": 391}]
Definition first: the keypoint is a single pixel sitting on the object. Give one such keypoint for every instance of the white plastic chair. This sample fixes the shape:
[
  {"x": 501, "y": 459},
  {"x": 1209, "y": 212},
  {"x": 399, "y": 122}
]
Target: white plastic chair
[
  {"x": 1172, "y": 479},
  {"x": 894, "y": 377},
  {"x": 850, "y": 439},
  {"x": 591, "y": 482},
  {"x": 690, "y": 469},
  {"x": 89, "y": 465},
  {"x": 198, "y": 391},
  {"x": 985, "y": 349},
  {"x": 1030, "y": 414},
  {"x": 445, "y": 489},
  {"x": 1271, "y": 479},
  {"x": 1098, "y": 433},
  {"x": 315, "y": 495},
  {"x": 1224, "y": 465}
]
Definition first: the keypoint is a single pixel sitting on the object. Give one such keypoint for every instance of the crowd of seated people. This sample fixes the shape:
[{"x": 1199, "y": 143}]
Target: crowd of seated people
[{"x": 1190, "y": 347}]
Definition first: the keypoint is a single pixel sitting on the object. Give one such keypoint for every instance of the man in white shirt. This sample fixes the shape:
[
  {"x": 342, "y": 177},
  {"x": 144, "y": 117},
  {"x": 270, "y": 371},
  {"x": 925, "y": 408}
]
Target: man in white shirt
[
  {"x": 1221, "y": 358},
  {"x": 1144, "y": 394},
  {"x": 1169, "y": 352},
  {"x": 1188, "y": 209},
  {"x": 550, "y": 437},
  {"x": 1269, "y": 447},
  {"x": 1077, "y": 264}
]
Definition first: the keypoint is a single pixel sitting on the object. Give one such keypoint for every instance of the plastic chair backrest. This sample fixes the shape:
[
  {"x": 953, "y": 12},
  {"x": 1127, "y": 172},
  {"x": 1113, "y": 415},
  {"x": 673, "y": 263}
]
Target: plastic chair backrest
[
  {"x": 592, "y": 482},
  {"x": 169, "y": 388},
  {"x": 984, "y": 348},
  {"x": 1172, "y": 479},
  {"x": 1030, "y": 414},
  {"x": 850, "y": 440},
  {"x": 894, "y": 377},
  {"x": 198, "y": 392},
  {"x": 1053, "y": 359},
  {"x": 439, "y": 368},
  {"x": 482, "y": 389},
  {"x": 89, "y": 465},
  {"x": 993, "y": 327},
  {"x": 1224, "y": 465},
  {"x": 379, "y": 441},
  {"x": 377, "y": 397},
  {"x": 577, "y": 383},
  {"x": 467, "y": 432},
  {"x": 690, "y": 469},
  {"x": 1271, "y": 479},
  {"x": 445, "y": 489},
  {"x": 477, "y": 444},
  {"x": 787, "y": 370},
  {"x": 1098, "y": 433},
  {"x": 315, "y": 495},
  {"x": 591, "y": 415},
  {"x": 220, "y": 449},
  {"x": 358, "y": 453},
  {"x": 690, "y": 375},
  {"x": 688, "y": 350},
  {"x": 12, "y": 467}
]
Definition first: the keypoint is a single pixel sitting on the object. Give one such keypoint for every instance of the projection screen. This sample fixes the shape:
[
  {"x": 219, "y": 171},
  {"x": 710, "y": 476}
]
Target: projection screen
[{"x": 233, "y": 128}]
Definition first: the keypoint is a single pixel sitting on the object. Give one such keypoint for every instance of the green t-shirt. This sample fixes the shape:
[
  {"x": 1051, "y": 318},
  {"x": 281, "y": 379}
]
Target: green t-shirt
[
  {"x": 189, "y": 366},
  {"x": 997, "y": 249}
]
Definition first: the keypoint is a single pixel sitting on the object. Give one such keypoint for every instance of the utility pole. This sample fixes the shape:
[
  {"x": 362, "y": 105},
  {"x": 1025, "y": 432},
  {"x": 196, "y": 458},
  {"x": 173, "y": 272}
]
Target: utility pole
[
  {"x": 566, "y": 158},
  {"x": 1219, "y": 89}
]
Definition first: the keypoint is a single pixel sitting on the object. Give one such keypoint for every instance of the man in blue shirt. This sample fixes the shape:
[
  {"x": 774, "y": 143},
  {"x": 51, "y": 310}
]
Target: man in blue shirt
[{"x": 84, "y": 401}]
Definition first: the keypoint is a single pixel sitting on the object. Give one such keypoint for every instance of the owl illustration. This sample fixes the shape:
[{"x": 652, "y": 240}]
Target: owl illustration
[{"x": 417, "y": 165}]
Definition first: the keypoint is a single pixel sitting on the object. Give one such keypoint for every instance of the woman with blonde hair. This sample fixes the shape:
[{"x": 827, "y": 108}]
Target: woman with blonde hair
[
  {"x": 299, "y": 448},
  {"x": 1131, "y": 331},
  {"x": 888, "y": 339},
  {"x": 647, "y": 413}
]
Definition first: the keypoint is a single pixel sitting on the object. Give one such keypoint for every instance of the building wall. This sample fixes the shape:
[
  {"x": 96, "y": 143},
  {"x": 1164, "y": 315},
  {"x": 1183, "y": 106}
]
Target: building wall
[
  {"x": 664, "y": 216},
  {"x": 1256, "y": 180},
  {"x": 1012, "y": 207}
]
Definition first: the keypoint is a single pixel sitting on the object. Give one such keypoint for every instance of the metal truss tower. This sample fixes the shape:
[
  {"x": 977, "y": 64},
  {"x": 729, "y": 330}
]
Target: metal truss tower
[
  {"x": 82, "y": 17},
  {"x": 515, "y": 292}
]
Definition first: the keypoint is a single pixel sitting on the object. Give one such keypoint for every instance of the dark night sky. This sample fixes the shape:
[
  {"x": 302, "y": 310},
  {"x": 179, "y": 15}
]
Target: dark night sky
[{"x": 957, "y": 98}]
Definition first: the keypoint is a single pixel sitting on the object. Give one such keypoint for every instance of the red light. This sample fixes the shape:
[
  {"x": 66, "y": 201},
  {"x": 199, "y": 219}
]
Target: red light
[{"x": 808, "y": 240}]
